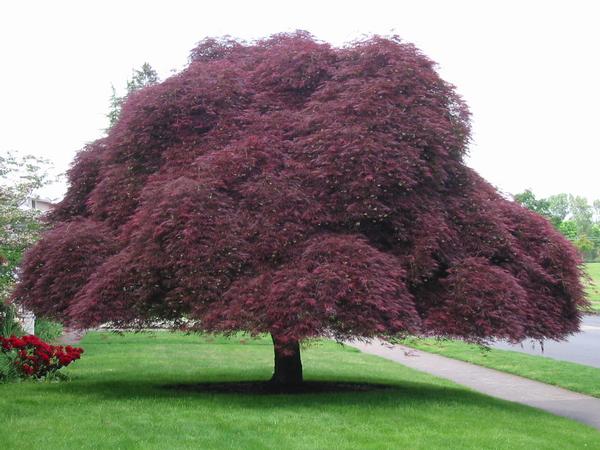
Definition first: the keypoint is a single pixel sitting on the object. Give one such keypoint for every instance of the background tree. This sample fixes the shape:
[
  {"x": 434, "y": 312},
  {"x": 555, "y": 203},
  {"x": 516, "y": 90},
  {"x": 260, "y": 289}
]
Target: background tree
[
  {"x": 581, "y": 213},
  {"x": 572, "y": 215},
  {"x": 528, "y": 199},
  {"x": 142, "y": 77},
  {"x": 292, "y": 188},
  {"x": 594, "y": 237},
  {"x": 558, "y": 208},
  {"x": 596, "y": 206},
  {"x": 20, "y": 226},
  {"x": 569, "y": 229}
]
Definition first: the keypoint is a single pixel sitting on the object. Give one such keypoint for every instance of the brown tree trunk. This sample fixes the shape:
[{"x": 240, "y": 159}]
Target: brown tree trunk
[{"x": 288, "y": 366}]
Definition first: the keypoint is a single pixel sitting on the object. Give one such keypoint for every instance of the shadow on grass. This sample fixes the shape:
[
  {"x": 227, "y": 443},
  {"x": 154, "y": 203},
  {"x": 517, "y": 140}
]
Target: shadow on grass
[
  {"x": 267, "y": 388},
  {"x": 318, "y": 393}
]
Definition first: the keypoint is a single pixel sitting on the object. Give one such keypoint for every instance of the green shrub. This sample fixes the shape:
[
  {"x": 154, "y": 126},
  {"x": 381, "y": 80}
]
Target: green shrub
[
  {"x": 8, "y": 369},
  {"x": 47, "y": 330},
  {"x": 9, "y": 326}
]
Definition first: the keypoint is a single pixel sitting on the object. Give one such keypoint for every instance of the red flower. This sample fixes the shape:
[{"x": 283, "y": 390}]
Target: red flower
[
  {"x": 5, "y": 343},
  {"x": 16, "y": 342},
  {"x": 38, "y": 358}
]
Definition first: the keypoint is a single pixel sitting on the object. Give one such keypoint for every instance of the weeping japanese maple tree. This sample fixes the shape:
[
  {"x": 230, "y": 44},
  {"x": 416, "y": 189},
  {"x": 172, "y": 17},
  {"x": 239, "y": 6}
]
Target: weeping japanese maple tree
[{"x": 297, "y": 189}]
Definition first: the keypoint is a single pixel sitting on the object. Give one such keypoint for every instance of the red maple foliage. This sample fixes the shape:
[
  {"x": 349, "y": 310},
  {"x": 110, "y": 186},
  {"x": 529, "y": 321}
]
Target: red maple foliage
[{"x": 293, "y": 188}]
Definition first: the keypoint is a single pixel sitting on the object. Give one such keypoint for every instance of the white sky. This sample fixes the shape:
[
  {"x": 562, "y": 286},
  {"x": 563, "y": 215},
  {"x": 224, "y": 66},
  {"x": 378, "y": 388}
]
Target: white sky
[{"x": 529, "y": 70}]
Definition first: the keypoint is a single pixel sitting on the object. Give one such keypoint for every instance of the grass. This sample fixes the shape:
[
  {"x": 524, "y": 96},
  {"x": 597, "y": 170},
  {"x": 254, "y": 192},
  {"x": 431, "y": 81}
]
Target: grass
[
  {"x": 117, "y": 399},
  {"x": 593, "y": 287},
  {"x": 572, "y": 376}
]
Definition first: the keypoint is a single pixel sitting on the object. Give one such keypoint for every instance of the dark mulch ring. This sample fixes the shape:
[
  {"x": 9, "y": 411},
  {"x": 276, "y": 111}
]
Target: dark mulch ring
[{"x": 268, "y": 388}]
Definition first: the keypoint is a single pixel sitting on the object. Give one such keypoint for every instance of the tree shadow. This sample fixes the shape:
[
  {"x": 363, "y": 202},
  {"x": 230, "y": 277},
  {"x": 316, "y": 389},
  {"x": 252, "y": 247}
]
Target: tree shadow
[
  {"x": 268, "y": 388},
  {"x": 257, "y": 395}
]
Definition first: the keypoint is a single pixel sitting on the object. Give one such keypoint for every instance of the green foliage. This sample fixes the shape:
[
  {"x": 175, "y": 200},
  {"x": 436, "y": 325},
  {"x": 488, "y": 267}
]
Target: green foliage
[
  {"x": 558, "y": 208},
  {"x": 114, "y": 110},
  {"x": 20, "y": 226},
  {"x": 581, "y": 212},
  {"x": 594, "y": 235},
  {"x": 569, "y": 229},
  {"x": 593, "y": 285},
  {"x": 142, "y": 77},
  {"x": 8, "y": 370},
  {"x": 528, "y": 200},
  {"x": 572, "y": 215},
  {"x": 9, "y": 326},
  {"x": 584, "y": 244},
  {"x": 596, "y": 206},
  {"x": 47, "y": 330}
]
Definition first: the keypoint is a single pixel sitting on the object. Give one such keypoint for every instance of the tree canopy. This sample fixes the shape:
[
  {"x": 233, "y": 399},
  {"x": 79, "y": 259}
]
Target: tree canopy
[{"x": 294, "y": 188}]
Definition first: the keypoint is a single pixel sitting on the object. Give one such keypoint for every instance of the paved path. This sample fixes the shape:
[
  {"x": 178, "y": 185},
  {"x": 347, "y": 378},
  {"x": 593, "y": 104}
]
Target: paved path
[
  {"x": 492, "y": 382},
  {"x": 71, "y": 337},
  {"x": 582, "y": 348}
]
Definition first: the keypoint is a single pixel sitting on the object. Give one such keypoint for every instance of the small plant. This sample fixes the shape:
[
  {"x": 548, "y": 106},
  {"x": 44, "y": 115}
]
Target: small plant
[{"x": 30, "y": 357}]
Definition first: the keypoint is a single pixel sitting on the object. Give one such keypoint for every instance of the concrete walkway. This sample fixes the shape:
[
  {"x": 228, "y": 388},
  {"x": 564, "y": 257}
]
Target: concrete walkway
[
  {"x": 71, "y": 336},
  {"x": 502, "y": 385}
]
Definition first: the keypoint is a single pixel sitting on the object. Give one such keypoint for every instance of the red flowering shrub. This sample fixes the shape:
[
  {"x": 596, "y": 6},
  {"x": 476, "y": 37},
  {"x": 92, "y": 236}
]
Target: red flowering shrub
[{"x": 29, "y": 356}]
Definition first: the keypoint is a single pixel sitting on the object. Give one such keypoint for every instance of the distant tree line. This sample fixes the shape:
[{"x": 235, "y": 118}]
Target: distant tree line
[{"x": 573, "y": 216}]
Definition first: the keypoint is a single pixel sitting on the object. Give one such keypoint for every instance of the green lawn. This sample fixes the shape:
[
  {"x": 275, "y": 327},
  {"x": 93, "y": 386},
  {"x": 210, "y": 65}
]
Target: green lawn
[
  {"x": 575, "y": 377},
  {"x": 117, "y": 399},
  {"x": 593, "y": 287}
]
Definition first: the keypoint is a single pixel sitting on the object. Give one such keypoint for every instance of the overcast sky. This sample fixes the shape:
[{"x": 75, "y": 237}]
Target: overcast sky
[{"x": 529, "y": 70}]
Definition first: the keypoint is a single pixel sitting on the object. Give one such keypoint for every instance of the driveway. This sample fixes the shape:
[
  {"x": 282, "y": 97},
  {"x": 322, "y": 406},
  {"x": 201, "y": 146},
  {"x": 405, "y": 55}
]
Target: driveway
[{"x": 582, "y": 348}]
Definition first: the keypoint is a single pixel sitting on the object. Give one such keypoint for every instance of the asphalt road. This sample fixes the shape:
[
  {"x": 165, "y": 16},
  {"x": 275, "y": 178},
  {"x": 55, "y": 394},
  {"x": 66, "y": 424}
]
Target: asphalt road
[{"x": 582, "y": 348}]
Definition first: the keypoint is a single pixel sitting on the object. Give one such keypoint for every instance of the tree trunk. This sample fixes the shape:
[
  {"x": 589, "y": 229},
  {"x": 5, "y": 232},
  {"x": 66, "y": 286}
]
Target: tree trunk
[{"x": 288, "y": 366}]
